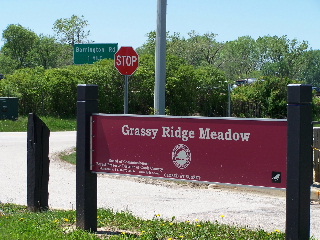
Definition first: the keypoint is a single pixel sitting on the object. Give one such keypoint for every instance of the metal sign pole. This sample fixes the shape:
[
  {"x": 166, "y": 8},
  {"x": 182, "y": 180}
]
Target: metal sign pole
[
  {"x": 126, "y": 90},
  {"x": 160, "y": 70}
]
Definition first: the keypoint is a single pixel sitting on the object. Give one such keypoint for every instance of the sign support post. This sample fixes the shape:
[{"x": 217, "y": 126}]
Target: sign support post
[
  {"x": 126, "y": 93},
  {"x": 299, "y": 162},
  {"x": 160, "y": 70},
  {"x": 86, "y": 181}
]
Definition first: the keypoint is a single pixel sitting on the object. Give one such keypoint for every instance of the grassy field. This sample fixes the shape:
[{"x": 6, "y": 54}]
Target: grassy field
[
  {"x": 54, "y": 124},
  {"x": 16, "y": 222}
]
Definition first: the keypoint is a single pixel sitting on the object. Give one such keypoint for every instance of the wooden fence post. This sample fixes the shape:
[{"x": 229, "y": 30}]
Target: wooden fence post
[{"x": 37, "y": 164}]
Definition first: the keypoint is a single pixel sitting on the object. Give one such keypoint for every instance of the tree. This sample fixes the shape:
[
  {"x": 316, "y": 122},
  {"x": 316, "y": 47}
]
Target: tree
[
  {"x": 18, "y": 43},
  {"x": 312, "y": 70},
  {"x": 51, "y": 54},
  {"x": 7, "y": 64},
  {"x": 71, "y": 30},
  {"x": 65, "y": 55},
  {"x": 197, "y": 49},
  {"x": 240, "y": 58},
  {"x": 204, "y": 49},
  {"x": 282, "y": 57},
  {"x": 45, "y": 52},
  {"x": 150, "y": 46}
]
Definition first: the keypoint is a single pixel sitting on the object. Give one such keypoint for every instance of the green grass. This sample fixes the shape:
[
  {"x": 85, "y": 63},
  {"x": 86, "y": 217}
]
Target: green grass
[
  {"x": 54, "y": 124},
  {"x": 126, "y": 226},
  {"x": 69, "y": 157},
  {"x": 16, "y": 222}
]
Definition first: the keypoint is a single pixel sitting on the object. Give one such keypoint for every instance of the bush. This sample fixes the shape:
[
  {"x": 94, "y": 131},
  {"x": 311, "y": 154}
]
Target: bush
[
  {"x": 53, "y": 92},
  {"x": 266, "y": 99}
]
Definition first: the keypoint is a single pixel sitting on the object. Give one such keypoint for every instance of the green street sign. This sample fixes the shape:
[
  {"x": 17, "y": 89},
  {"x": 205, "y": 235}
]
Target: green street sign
[{"x": 92, "y": 52}]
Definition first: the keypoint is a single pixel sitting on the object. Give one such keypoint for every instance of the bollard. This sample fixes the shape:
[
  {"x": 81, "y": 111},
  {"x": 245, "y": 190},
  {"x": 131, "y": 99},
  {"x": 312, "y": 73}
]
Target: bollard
[
  {"x": 86, "y": 182},
  {"x": 299, "y": 162}
]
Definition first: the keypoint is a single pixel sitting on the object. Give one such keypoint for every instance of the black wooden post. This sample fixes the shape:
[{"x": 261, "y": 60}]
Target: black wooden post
[
  {"x": 37, "y": 164},
  {"x": 299, "y": 169},
  {"x": 86, "y": 182}
]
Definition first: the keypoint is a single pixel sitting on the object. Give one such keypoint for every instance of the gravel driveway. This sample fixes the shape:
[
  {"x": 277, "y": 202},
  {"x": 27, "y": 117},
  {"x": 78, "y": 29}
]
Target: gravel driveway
[{"x": 144, "y": 198}]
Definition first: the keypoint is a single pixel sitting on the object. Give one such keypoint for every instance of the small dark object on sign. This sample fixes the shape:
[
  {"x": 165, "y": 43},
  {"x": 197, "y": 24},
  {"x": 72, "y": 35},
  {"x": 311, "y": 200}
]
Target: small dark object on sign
[{"x": 276, "y": 177}]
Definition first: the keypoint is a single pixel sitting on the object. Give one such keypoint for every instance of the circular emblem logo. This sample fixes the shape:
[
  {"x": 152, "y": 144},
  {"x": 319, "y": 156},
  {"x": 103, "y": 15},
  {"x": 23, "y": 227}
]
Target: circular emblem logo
[{"x": 181, "y": 156}]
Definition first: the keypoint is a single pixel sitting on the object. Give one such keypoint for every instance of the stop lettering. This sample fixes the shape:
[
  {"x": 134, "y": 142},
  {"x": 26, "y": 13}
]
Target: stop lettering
[{"x": 126, "y": 60}]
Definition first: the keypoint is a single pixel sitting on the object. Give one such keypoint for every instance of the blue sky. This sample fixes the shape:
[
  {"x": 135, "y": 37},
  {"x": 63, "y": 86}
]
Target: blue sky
[{"x": 128, "y": 21}]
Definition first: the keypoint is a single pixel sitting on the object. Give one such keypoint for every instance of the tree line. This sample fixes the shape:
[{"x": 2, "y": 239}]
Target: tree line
[
  {"x": 245, "y": 57},
  {"x": 39, "y": 71},
  {"x": 54, "y": 91},
  {"x": 23, "y": 48}
]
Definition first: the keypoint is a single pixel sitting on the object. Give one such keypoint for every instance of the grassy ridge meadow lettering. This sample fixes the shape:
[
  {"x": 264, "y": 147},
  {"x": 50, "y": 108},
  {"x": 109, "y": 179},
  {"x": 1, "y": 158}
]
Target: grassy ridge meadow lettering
[{"x": 184, "y": 134}]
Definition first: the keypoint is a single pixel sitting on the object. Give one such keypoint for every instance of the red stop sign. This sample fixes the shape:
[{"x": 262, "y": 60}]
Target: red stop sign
[{"x": 126, "y": 60}]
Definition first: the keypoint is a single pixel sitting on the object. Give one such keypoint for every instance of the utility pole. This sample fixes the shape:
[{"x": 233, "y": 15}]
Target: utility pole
[{"x": 160, "y": 71}]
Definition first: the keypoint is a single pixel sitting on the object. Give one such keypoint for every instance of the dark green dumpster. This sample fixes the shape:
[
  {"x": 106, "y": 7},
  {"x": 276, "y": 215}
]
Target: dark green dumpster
[{"x": 9, "y": 108}]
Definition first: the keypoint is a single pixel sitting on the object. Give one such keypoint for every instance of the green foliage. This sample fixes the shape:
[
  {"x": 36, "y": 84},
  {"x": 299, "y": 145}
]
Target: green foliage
[
  {"x": 196, "y": 50},
  {"x": 190, "y": 90},
  {"x": 25, "y": 49},
  {"x": 211, "y": 91},
  {"x": 54, "y": 91},
  {"x": 282, "y": 57},
  {"x": 312, "y": 70},
  {"x": 69, "y": 157},
  {"x": 244, "y": 57},
  {"x": 71, "y": 30},
  {"x": 18, "y": 43},
  {"x": 179, "y": 87},
  {"x": 150, "y": 46},
  {"x": 141, "y": 85},
  {"x": 54, "y": 124},
  {"x": 316, "y": 107},
  {"x": 28, "y": 85},
  {"x": 198, "y": 72},
  {"x": 267, "y": 99},
  {"x": 16, "y": 222},
  {"x": 110, "y": 83},
  {"x": 60, "y": 124},
  {"x": 61, "y": 91},
  {"x": 7, "y": 64},
  {"x": 50, "y": 54},
  {"x": 197, "y": 91},
  {"x": 19, "y": 125},
  {"x": 240, "y": 57}
]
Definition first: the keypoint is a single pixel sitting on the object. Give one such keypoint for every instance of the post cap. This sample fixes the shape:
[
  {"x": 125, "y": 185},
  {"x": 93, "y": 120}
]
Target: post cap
[
  {"x": 299, "y": 93},
  {"x": 87, "y": 92}
]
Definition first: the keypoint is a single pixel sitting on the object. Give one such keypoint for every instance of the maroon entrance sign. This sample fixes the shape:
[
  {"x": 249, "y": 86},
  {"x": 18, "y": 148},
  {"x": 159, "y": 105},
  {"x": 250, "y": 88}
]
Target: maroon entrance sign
[
  {"x": 237, "y": 151},
  {"x": 126, "y": 60}
]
